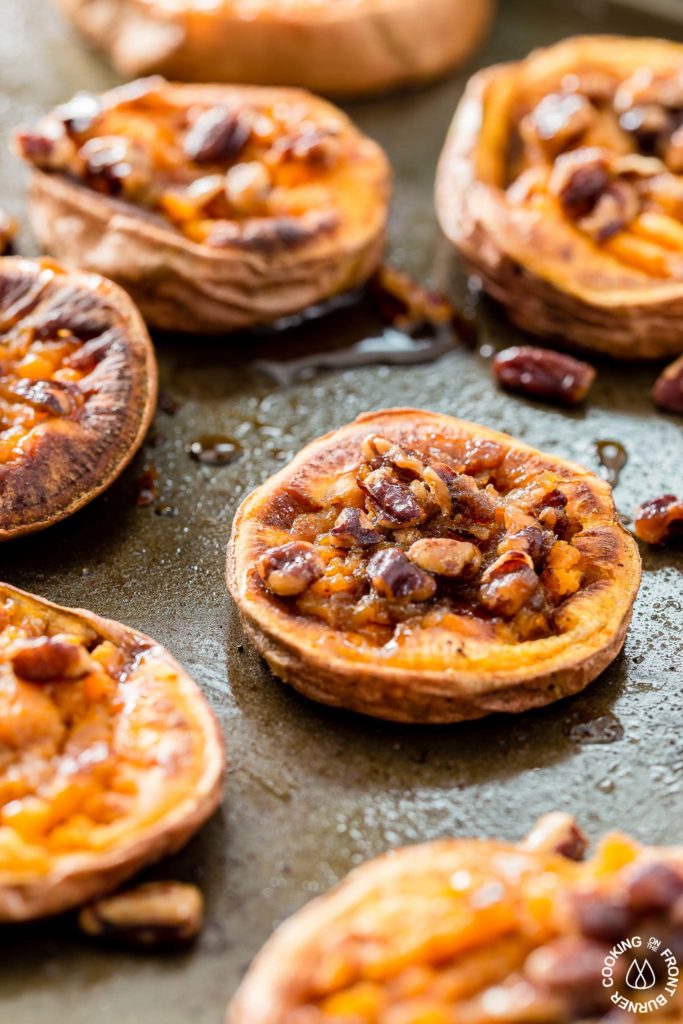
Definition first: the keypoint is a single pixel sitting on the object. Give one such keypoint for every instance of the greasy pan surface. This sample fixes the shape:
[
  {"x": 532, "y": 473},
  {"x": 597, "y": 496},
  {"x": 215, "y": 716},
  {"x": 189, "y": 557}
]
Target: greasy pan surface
[{"x": 332, "y": 788}]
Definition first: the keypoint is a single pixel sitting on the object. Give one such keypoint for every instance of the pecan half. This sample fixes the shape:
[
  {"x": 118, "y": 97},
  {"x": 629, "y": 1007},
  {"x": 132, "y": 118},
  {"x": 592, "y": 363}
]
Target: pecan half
[
  {"x": 614, "y": 211},
  {"x": 659, "y": 520},
  {"x": 49, "y": 658},
  {"x": 247, "y": 187},
  {"x": 117, "y": 166},
  {"x": 508, "y": 583},
  {"x": 668, "y": 389},
  {"x": 542, "y": 373},
  {"x": 154, "y": 914},
  {"x": 568, "y": 963},
  {"x": 291, "y": 568},
  {"x": 392, "y": 501},
  {"x": 394, "y": 576},
  {"x": 559, "y": 120},
  {"x": 557, "y": 833},
  {"x": 353, "y": 528},
  {"x": 579, "y": 179},
  {"x": 50, "y": 149},
  {"x": 652, "y": 888},
  {"x": 445, "y": 557},
  {"x": 217, "y": 134}
]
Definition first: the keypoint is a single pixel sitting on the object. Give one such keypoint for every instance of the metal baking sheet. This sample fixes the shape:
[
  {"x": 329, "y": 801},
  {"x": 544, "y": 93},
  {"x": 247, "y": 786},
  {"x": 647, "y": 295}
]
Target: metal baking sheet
[{"x": 312, "y": 792}]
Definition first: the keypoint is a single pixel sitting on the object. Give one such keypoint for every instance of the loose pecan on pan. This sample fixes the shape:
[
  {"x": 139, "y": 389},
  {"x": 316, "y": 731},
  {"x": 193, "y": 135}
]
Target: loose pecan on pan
[
  {"x": 476, "y": 931},
  {"x": 216, "y": 207},
  {"x": 561, "y": 182},
  {"x": 349, "y": 49},
  {"x": 111, "y": 759},
  {"x": 418, "y": 568},
  {"x": 78, "y": 385}
]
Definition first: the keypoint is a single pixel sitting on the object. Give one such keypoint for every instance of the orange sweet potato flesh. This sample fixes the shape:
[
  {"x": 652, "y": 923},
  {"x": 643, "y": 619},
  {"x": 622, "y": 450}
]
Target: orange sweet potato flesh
[
  {"x": 511, "y": 632},
  {"x": 110, "y": 757}
]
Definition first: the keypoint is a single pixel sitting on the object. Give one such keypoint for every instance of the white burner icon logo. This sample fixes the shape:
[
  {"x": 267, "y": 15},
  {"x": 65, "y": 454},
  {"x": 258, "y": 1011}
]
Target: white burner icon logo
[{"x": 640, "y": 975}]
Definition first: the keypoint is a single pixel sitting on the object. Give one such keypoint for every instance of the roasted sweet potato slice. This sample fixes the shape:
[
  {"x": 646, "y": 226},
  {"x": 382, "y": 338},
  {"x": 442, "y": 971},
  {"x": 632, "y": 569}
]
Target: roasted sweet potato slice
[
  {"x": 561, "y": 183},
  {"x": 342, "y": 48},
  {"x": 419, "y": 568},
  {"x": 78, "y": 386},
  {"x": 110, "y": 757},
  {"x": 216, "y": 207},
  {"x": 466, "y": 931}
]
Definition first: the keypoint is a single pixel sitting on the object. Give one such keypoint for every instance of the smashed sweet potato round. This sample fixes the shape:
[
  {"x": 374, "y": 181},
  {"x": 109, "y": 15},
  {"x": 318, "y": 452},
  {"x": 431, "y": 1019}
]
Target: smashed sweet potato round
[
  {"x": 111, "y": 757},
  {"x": 216, "y": 207},
  {"x": 419, "y": 568},
  {"x": 561, "y": 184},
  {"x": 342, "y": 47},
  {"x": 78, "y": 387},
  {"x": 466, "y": 931}
]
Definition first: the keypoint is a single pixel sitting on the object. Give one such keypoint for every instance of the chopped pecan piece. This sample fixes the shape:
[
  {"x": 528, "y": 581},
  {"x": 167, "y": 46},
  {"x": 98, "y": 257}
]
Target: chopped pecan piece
[
  {"x": 290, "y": 569},
  {"x": 659, "y": 520},
  {"x": 530, "y": 538},
  {"x": 218, "y": 134},
  {"x": 50, "y": 149},
  {"x": 445, "y": 557},
  {"x": 579, "y": 179},
  {"x": 542, "y": 373},
  {"x": 154, "y": 914},
  {"x": 468, "y": 502},
  {"x": 615, "y": 209},
  {"x": 392, "y": 502},
  {"x": 558, "y": 121},
  {"x": 568, "y": 963},
  {"x": 508, "y": 583},
  {"x": 353, "y": 528},
  {"x": 557, "y": 833},
  {"x": 247, "y": 186},
  {"x": 117, "y": 166},
  {"x": 605, "y": 918},
  {"x": 647, "y": 122},
  {"x": 394, "y": 576},
  {"x": 668, "y": 389},
  {"x": 50, "y": 658},
  {"x": 79, "y": 114},
  {"x": 652, "y": 888}
]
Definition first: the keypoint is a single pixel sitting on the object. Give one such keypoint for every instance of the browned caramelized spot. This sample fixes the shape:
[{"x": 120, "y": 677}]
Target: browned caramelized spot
[
  {"x": 660, "y": 520},
  {"x": 264, "y": 175},
  {"x": 52, "y": 337},
  {"x": 420, "y": 532}
]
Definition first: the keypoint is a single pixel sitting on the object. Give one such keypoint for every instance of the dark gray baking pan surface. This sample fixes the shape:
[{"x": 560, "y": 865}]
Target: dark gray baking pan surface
[{"x": 311, "y": 792}]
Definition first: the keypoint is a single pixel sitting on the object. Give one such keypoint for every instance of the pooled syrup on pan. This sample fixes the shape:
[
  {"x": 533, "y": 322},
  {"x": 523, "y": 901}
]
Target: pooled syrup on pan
[
  {"x": 215, "y": 450},
  {"x": 605, "y": 729},
  {"x": 394, "y": 322},
  {"x": 612, "y": 457}
]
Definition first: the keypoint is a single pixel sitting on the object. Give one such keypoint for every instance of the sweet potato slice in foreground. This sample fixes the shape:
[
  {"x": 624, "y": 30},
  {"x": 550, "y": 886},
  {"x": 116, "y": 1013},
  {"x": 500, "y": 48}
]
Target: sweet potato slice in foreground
[{"x": 467, "y": 931}]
